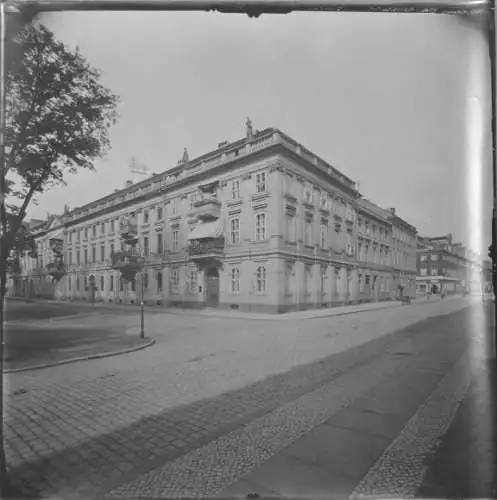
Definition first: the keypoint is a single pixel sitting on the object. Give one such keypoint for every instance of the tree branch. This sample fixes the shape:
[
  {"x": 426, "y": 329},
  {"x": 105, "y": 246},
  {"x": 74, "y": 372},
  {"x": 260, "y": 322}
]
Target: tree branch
[
  {"x": 10, "y": 236},
  {"x": 19, "y": 144}
]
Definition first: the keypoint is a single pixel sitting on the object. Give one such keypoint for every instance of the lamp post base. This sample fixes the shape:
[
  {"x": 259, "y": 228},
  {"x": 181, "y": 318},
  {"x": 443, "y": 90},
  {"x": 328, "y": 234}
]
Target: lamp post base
[{"x": 142, "y": 314}]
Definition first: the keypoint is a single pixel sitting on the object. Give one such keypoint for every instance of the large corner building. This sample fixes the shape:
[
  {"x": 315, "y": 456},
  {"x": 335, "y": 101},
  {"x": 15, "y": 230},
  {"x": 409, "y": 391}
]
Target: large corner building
[{"x": 261, "y": 224}]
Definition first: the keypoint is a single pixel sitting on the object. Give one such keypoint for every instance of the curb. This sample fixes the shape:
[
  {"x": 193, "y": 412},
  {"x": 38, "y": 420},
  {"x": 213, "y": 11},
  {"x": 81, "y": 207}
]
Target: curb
[{"x": 82, "y": 358}]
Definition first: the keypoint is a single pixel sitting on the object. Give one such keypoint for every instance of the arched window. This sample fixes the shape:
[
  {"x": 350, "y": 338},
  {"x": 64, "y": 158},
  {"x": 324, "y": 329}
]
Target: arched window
[
  {"x": 235, "y": 280},
  {"x": 261, "y": 279}
]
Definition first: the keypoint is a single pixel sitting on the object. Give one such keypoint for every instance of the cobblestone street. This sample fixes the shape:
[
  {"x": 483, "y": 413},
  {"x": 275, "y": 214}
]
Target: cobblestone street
[{"x": 90, "y": 428}]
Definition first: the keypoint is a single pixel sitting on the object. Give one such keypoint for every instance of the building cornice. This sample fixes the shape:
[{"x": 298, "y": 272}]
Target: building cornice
[{"x": 238, "y": 153}]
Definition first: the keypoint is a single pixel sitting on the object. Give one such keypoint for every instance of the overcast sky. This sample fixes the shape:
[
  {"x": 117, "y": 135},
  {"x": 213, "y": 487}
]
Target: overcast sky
[{"x": 386, "y": 98}]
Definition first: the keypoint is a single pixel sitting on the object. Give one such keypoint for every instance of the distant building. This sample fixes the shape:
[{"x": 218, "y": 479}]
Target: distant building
[
  {"x": 386, "y": 252},
  {"x": 448, "y": 265},
  {"x": 259, "y": 224}
]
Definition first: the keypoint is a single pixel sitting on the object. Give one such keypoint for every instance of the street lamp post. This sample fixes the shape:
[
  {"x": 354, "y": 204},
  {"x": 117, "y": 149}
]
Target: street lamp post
[
  {"x": 129, "y": 263},
  {"x": 142, "y": 307}
]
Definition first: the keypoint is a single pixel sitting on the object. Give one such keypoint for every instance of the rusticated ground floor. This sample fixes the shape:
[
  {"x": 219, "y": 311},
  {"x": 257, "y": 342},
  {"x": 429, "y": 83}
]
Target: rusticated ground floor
[{"x": 273, "y": 284}]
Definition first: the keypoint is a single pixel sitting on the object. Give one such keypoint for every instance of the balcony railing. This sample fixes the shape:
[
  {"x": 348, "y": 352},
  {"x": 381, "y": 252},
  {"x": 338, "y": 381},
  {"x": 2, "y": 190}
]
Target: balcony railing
[
  {"x": 126, "y": 259},
  {"x": 128, "y": 230},
  {"x": 128, "y": 263},
  {"x": 209, "y": 207},
  {"x": 201, "y": 248},
  {"x": 56, "y": 270}
]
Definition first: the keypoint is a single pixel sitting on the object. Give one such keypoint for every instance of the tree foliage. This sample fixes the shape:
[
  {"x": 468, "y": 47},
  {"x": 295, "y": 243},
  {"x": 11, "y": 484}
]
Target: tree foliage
[{"x": 58, "y": 118}]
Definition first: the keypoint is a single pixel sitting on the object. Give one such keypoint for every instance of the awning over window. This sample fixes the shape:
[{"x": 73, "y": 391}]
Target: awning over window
[{"x": 204, "y": 230}]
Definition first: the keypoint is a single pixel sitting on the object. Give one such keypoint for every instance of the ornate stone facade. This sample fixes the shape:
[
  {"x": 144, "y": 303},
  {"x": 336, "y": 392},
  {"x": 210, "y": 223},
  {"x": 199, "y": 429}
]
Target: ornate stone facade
[{"x": 261, "y": 224}]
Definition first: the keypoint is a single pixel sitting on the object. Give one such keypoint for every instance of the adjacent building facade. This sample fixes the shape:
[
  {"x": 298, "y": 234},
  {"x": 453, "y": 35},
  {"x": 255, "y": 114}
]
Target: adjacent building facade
[
  {"x": 260, "y": 224},
  {"x": 448, "y": 265}
]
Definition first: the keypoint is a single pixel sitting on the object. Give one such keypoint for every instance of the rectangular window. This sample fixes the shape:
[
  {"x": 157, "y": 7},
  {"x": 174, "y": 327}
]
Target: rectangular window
[
  {"x": 160, "y": 244},
  {"x": 235, "y": 280},
  {"x": 102, "y": 253},
  {"x": 434, "y": 256},
  {"x": 86, "y": 233},
  {"x": 260, "y": 182},
  {"x": 145, "y": 280},
  {"x": 308, "y": 232},
  {"x": 324, "y": 277},
  {"x": 235, "y": 231},
  {"x": 94, "y": 228},
  {"x": 174, "y": 206},
  {"x": 159, "y": 213},
  {"x": 111, "y": 283},
  {"x": 175, "y": 277},
  {"x": 77, "y": 283},
  {"x": 86, "y": 256},
  {"x": 423, "y": 272},
  {"x": 261, "y": 279},
  {"x": 112, "y": 248},
  {"x": 133, "y": 284},
  {"x": 112, "y": 225},
  {"x": 260, "y": 227},
  {"x": 307, "y": 278},
  {"x": 307, "y": 195},
  {"x": 102, "y": 228},
  {"x": 70, "y": 258},
  {"x": 159, "y": 281},
  {"x": 192, "y": 279},
  {"x": 291, "y": 224},
  {"x": 434, "y": 270},
  {"x": 121, "y": 284},
  {"x": 175, "y": 239},
  {"x": 323, "y": 235},
  {"x": 145, "y": 216},
  {"x": 94, "y": 254},
  {"x": 235, "y": 190},
  {"x": 145, "y": 246},
  {"x": 102, "y": 283},
  {"x": 78, "y": 257},
  {"x": 323, "y": 201}
]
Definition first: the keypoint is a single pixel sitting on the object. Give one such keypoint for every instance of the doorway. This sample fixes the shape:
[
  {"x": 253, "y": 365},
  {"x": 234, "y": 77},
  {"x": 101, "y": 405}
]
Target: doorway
[{"x": 212, "y": 287}]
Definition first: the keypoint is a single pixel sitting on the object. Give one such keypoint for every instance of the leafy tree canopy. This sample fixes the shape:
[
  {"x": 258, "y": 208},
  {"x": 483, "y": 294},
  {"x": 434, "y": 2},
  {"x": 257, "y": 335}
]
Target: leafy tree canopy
[{"x": 58, "y": 118}]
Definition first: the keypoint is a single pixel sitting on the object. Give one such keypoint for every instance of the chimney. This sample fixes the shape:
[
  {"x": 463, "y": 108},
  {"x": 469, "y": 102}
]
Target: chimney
[
  {"x": 392, "y": 210},
  {"x": 222, "y": 144},
  {"x": 128, "y": 184}
]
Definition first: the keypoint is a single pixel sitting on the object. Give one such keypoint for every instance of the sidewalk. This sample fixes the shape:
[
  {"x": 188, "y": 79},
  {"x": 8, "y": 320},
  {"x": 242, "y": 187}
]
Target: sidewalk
[
  {"x": 465, "y": 464},
  {"x": 233, "y": 314},
  {"x": 354, "y": 434}
]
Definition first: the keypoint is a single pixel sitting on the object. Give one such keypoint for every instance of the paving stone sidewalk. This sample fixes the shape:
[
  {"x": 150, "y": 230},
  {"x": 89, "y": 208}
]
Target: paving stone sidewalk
[
  {"x": 233, "y": 314},
  {"x": 79, "y": 457}
]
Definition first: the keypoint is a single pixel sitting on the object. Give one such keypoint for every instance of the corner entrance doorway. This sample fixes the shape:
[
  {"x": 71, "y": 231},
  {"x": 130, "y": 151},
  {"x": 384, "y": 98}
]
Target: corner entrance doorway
[{"x": 212, "y": 287}]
